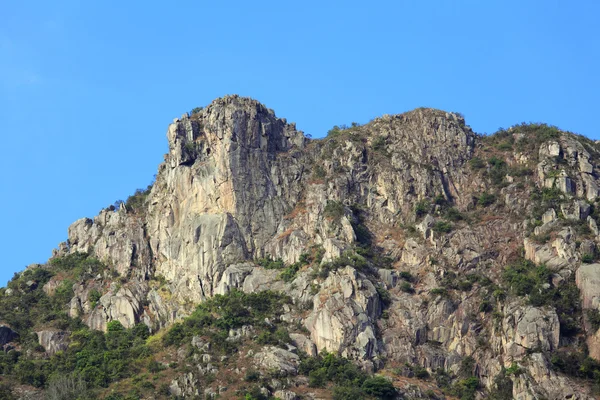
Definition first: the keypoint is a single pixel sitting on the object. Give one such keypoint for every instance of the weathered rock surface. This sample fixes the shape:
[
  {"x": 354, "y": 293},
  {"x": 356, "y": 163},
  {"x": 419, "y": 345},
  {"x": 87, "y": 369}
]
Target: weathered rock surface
[
  {"x": 403, "y": 195},
  {"x": 343, "y": 315},
  {"x": 588, "y": 281},
  {"x": 54, "y": 341},
  {"x": 528, "y": 329},
  {"x": 272, "y": 358}
]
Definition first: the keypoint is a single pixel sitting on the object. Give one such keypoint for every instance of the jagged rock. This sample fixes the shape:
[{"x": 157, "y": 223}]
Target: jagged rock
[
  {"x": 123, "y": 306},
  {"x": 238, "y": 184},
  {"x": 343, "y": 315},
  {"x": 543, "y": 382},
  {"x": 549, "y": 216},
  {"x": 587, "y": 278},
  {"x": 185, "y": 385},
  {"x": 54, "y": 341},
  {"x": 233, "y": 277},
  {"x": 560, "y": 253},
  {"x": 529, "y": 328},
  {"x": 389, "y": 277},
  {"x": 286, "y": 395},
  {"x": 577, "y": 210},
  {"x": 272, "y": 358},
  {"x": 304, "y": 344},
  {"x": 425, "y": 226},
  {"x": 240, "y": 333}
]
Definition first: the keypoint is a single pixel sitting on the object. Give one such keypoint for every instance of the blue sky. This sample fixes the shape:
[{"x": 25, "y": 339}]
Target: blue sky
[{"x": 87, "y": 89}]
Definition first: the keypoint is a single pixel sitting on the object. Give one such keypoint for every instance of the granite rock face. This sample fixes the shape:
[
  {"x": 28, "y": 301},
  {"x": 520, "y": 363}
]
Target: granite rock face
[
  {"x": 54, "y": 341},
  {"x": 411, "y": 228}
]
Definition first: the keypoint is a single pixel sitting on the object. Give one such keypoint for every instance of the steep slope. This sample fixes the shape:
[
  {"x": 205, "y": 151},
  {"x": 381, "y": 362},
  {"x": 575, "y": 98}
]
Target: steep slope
[{"x": 410, "y": 245}]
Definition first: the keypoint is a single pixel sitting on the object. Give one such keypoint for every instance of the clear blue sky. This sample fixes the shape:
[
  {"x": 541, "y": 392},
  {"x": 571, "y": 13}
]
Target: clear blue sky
[{"x": 88, "y": 88}]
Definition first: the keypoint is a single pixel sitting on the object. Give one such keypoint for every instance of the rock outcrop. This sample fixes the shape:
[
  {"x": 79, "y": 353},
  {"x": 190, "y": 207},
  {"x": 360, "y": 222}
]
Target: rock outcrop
[{"x": 393, "y": 237}]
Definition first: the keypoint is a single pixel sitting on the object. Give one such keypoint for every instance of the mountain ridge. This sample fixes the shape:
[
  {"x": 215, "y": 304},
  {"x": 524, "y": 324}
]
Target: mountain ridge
[{"x": 407, "y": 241}]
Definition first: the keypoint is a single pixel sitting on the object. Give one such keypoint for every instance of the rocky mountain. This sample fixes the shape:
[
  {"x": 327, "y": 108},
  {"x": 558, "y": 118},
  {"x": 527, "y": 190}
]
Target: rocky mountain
[{"x": 406, "y": 258}]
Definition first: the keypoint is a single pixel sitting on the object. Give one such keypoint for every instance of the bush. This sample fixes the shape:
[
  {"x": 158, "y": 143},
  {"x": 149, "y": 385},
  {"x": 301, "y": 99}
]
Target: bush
[
  {"x": 333, "y": 132},
  {"x": 268, "y": 263},
  {"x": 137, "y": 201},
  {"x": 439, "y": 292},
  {"x": 93, "y": 297},
  {"x": 503, "y": 387},
  {"x": 594, "y": 318},
  {"x": 587, "y": 258},
  {"x": 384, "y": 296},
  {"x": 319, "y": 172},
  {"x": 348, "y": 393},
  {"x": 252, "y": 375},
  {"x": 442, "y": 227},
  {"x": 476, "y": 163},
  {"x": 406, "y": 287},
  {"x": 327, "y": 367},
  {"x": 378, "y": 143},
  {"x": 422, "y": 208},
  {"x": 486, "y": 199},
  {"x": 407, "y": 276},
  {"x": 527, "y": 279},
  {"x": 379, "y": 387},
  {"x": 452, "y": 214},
  {"x": 514, "y": 369},
  {"x": 334, "y": 210},
  {"x": 114, "y": 326},
  {"x": 217, "y": 315}
]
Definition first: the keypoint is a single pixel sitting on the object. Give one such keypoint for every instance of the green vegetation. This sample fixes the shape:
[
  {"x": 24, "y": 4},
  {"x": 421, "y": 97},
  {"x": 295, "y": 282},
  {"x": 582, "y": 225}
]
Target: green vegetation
[
  {"x": 288, "y": 272},
  {"x": 476, "y": 163},
  {"x": 349, "y": 381},
  {"x": 418, "y": 371},
  {"x": 93, "y": 297},
  {"x": 514, "y": 369},
  {"x": 335, "y": 131},
  {"x": 216, "y": 316},
  {"x": 319, "y": 172},
  {"x": 587, "y": 258},
  {"x": 268, "y": 263},
  {"x": 384, "y": 296},
  {"x": 534, "y": 135},
  {"x": 442, "y": 227},
  {"x": 524, "y": 278},
  {"x": 137, "y": 201},
  {"x": 503, "y": 387},
  {"x": 593, "y": 316},
  {"x": 196, "y": 110},
  {"x": 452, "y": 214},
  {"x": 351, "y": 258},
  {"x": 93, "y": 358},
  {"x": 406, "y": 287},
  {"x": 378, "y": 143},
  {"x": 465, "y": 385},
  {"x": 439, "y": 292},
  {"x": 422, "y": 208},
  {"x": 407, "y": 276},
  {"x": 29, "y": 304},
  {"x": 578, "y": 364},
  {"x": 497, "y": 171},
  {"x": 486, "y": 199},
  {"x": 80, "y": 266},
  {"x": 464, "y": 283},
  {"x": 334, "y": 210}
]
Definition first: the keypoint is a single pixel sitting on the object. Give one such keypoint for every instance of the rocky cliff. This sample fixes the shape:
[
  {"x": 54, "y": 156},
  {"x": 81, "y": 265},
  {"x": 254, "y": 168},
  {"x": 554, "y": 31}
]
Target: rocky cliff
[{"x": 410, "y": 245}]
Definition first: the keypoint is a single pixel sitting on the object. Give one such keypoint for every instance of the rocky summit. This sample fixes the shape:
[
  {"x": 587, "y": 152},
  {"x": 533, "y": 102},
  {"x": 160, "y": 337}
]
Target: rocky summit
[{"x": 407, "y": 258}]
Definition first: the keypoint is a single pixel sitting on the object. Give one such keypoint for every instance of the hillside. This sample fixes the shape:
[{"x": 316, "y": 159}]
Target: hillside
[{"x": 405, "y": 258}]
